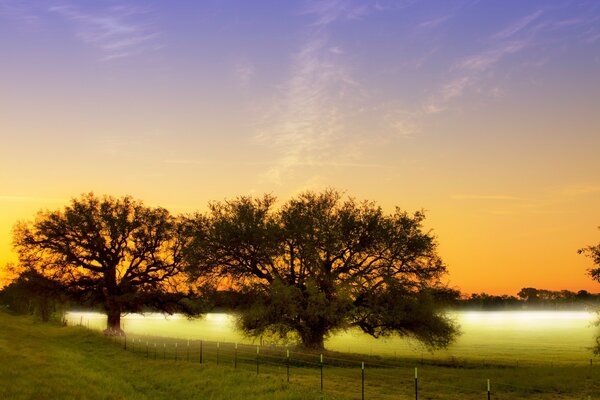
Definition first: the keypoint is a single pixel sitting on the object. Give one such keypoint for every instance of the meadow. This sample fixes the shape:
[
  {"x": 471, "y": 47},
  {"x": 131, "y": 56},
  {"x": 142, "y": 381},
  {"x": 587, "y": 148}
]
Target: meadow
[
  {"x": 45, "y": 361},
  {"x": 500, "y": 337}
]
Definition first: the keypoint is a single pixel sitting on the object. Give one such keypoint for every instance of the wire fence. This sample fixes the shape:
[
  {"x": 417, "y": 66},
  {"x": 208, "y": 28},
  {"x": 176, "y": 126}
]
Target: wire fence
[{"x": 344, "y": 375}]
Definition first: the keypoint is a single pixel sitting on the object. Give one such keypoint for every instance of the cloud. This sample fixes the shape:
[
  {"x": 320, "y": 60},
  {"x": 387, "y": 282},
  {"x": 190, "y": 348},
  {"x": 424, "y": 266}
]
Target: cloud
[
  {"x": 244, "y": 72},
  {"x": 326, "y": 12},
  {"x": 487, "y": 59},
  {"x": 117, "y": 31},
  {"x": 517, "y": 26},
  {"x": 435, "y": 22},
  {"x": 187, "y": 162},
  {"x": 580, "y": 190},
  {"x": 18, "y": 10},
  {"x": 307, "y": 125},
  {"x": 30, "y": 199},
  {"x": 484, "y": 197}
]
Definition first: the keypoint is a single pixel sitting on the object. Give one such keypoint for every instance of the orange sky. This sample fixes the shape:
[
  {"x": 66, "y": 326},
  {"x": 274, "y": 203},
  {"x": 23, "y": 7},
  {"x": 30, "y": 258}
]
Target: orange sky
[{"x": 484, "y": 114}]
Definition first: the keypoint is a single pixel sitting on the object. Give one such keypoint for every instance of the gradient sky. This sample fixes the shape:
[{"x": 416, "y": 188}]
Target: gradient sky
[{"x": 484, "y": 113}]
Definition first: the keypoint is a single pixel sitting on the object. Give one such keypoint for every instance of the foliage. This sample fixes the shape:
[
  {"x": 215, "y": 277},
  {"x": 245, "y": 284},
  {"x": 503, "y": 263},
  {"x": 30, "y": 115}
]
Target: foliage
[
  {"x": 320, "y": 264},
  {"x": 33, "y": 293},
  {"x": 112, "y": 251},
  {"x": 593, "y": 252}
]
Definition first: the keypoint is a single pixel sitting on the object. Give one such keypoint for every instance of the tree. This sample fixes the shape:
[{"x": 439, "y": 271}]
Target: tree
[
  {"x": 33, "y": 293},
  {"x": 112, "y": 251},
  {"x": 321, "y": 264},
  {"x": 593, "y": 252}
]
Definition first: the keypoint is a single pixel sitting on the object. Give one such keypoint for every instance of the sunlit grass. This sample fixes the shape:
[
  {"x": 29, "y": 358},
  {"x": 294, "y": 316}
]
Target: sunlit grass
[
  {"x": 507, "y": 337},
  {"x": 50, "y": 362},
  {"x": 41, "y": 361}
]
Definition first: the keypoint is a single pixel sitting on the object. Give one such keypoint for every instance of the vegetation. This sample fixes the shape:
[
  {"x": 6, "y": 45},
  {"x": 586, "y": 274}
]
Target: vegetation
[
  {"x": 32, "y": 293},
  {"x": 530, "y": 298},
  {"x": 593, "y": 252},
  {"x": 114, "y": 252},
  {"x": 46, "y": 361},
  {"x": 320, "y": 264}
]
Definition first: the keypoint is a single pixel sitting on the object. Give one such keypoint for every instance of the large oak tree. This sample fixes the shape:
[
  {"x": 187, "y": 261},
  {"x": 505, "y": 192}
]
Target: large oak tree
[
  {"x": 112, "y": 251},
  {"x": 320, "y": 264}
]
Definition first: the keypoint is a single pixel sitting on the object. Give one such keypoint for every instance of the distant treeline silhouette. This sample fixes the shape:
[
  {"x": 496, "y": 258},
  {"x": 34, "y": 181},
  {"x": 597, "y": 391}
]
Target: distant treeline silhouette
[{"x": 531, "y": 298}]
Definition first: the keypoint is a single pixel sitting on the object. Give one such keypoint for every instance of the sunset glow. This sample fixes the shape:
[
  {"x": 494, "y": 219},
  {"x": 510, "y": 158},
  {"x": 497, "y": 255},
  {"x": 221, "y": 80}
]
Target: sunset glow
[{"x": 485, "y": 114}]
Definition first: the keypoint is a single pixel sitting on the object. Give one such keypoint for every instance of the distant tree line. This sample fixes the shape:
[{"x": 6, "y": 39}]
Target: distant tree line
[{"x": 531, "y": 298}]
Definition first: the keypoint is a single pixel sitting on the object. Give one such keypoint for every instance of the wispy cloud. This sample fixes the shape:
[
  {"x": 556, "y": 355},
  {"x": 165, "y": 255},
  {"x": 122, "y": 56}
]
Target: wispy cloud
[
  {"x": 18, "y": 10},
  {"x": 326, "y": 12},
  {"x": 434, "y": 22},
  {"x": 244, "y": 72},
  {"x": 518, "y": 26},
  {"x": 491, "y": 57},
  {"x": 581, "y": 190},
  {"x": 187, "y": 162},
  {"x": 306, "y": 127},
  {"x": 30, "y": 199},
  {"x": 484, "y": 197},
  {"x": 116, "y": 31}
]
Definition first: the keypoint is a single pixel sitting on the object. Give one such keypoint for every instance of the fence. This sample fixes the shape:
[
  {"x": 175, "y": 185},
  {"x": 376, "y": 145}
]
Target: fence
[{"x": 347, "y": 376}]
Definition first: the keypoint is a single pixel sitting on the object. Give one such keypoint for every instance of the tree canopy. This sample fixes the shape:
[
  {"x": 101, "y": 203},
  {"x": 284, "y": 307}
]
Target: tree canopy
[
  {"x": 112, "y": 251},
  {"x": 322, "y": 263},
  {"x": 593, "y": 252}
]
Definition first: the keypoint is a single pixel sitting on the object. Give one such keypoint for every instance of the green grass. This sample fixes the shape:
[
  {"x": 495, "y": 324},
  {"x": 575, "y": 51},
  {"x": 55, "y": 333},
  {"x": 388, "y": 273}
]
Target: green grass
[{"x": 42, "y": 361}]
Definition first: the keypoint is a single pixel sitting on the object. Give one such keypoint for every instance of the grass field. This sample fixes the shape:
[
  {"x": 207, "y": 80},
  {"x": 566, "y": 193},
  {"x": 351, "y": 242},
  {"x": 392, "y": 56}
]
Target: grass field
[
  {"x": 50, "y": 362},
  {"x": 42, "y": 361}
]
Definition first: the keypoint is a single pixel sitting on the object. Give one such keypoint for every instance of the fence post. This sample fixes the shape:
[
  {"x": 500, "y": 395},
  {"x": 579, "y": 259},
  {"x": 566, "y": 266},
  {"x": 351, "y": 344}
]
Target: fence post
[
  {"x": 164, "y": 351},
  {"x": 175, "y": 351},
  {"x": 362, "y": 391},
  {"x": 217, "y": 353},
  {"x": 416, "y": 385},
  {"x": 288, "y": 365},
  {"x": 155, "y": 351},
  {"x": 146, "y": 349},
  {"x": 489, "y": 392},
  {"x": 235, "y": 357},
  {"x": 321, "y": 365},
  {"x": 201, "y": 352},
  {"x": 257, "y": 355},
  {"x": 188, "y": 350}
]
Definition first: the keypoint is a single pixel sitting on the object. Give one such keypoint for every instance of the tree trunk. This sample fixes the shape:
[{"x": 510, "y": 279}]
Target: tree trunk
[
  {"x": 113, "y": 323},
  {"x": 313, "y": 340}
]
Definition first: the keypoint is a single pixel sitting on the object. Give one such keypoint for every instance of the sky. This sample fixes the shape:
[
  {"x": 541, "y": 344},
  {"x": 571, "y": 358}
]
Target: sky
[{"x": 486, "y": 114}]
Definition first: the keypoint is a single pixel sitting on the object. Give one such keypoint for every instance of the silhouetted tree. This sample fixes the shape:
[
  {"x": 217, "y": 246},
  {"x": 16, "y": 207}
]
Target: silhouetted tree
[
  {"x": 320, "y": 264},
  {"x": 112, "y": 251},
  {"x": 530, "y": 295},
  {"x": 593, "y": 252},
  {"x": 33, "y": 293}
]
